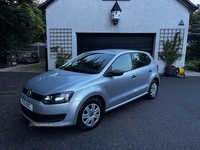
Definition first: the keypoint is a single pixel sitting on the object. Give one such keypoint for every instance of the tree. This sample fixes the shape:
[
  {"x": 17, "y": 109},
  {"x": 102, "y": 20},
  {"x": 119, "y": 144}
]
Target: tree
[
  {"x": 193, "y": 48},
  {"x": 195, "y": 22},
  {"x": 20, "y": 22}
]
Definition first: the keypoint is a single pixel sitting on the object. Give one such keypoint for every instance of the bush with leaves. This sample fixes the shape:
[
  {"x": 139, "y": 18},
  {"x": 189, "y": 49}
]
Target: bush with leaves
[
  {"x": 61, "y": 56},
  {"x": 170, "y": 51},
  {"x": 193, "y": 65}
]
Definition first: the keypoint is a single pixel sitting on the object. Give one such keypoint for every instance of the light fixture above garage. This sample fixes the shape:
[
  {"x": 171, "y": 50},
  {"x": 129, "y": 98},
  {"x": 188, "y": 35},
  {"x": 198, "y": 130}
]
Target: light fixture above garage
[{"x": 115, "y": 13}]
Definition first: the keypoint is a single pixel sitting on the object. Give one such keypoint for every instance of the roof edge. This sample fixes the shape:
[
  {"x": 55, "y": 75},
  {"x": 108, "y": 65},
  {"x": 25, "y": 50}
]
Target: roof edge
[
  {"x": 191, "y": 6},
  {"x": 44, "y": 5}
]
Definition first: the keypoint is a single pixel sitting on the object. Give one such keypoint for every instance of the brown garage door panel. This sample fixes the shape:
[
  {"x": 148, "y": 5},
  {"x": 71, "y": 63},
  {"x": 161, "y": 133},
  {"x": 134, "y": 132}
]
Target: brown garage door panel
[{"x": 93, "y": 41}]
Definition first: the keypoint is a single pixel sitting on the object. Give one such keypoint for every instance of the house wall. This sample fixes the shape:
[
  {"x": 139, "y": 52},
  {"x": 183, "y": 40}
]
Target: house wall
[{"x": 137, "y": 16}]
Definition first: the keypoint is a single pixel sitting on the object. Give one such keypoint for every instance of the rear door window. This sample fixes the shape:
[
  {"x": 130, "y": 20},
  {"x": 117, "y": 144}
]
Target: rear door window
[{"x": 140, "y": 60}]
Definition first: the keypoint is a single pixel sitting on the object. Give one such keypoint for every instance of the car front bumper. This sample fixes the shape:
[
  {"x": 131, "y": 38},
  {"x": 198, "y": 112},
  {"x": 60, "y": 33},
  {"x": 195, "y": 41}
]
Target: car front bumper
[{"x": 55, "y": 115}]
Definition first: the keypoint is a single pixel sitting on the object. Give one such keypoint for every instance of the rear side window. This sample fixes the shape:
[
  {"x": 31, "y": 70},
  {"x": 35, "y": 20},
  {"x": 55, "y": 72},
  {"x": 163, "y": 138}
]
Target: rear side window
[{"x": 140, "y": 60}]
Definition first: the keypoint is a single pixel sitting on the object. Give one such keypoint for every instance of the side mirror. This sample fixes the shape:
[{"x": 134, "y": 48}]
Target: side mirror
[{"x": 115, "y": 73}]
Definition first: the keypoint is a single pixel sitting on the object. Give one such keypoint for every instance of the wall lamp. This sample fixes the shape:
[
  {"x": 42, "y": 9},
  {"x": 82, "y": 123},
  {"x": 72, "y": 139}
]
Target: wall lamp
[{"x": 115, "y": 13}]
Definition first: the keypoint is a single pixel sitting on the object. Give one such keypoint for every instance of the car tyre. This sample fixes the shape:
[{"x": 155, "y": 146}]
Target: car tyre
[
  {"x": 90, "y": 114},
  {"x": 153, "y": 90},
  {"x": 34, "y": 55}
]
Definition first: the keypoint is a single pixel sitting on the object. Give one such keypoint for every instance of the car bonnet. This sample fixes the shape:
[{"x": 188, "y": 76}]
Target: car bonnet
[{"x": 56, "y": 81}]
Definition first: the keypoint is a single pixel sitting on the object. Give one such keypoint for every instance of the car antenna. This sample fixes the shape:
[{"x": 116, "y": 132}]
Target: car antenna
[{"x": 131, "y": 46}]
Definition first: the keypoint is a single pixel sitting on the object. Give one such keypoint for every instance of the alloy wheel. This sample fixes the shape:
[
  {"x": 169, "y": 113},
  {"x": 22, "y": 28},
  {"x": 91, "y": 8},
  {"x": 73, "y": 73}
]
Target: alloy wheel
[{"x": 91, "y": 115}]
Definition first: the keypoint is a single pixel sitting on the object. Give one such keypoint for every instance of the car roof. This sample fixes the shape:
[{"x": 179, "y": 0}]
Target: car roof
[{"x": 114, "y": 51}]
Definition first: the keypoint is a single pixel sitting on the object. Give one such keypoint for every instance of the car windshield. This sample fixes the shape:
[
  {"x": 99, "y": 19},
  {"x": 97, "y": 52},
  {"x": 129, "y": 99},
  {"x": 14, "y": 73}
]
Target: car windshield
[{"x": 90, "y": 63}]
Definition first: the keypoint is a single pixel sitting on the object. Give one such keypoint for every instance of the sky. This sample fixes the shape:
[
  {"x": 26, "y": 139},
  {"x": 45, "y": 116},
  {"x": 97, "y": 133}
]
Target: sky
[{"x": 195, "y": 1}]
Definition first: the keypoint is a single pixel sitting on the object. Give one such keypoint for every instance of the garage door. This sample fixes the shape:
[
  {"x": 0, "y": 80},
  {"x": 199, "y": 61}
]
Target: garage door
[{"x": 94, "y": 41}]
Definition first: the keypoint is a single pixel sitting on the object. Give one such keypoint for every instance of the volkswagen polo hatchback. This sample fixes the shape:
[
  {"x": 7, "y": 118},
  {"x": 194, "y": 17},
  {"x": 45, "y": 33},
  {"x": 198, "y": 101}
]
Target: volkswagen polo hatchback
[{"x": 83, "y": 89}]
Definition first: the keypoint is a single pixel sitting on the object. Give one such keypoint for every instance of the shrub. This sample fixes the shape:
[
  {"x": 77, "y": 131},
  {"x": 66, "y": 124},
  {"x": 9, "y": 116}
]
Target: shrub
[{"x": 193, "y": 65}]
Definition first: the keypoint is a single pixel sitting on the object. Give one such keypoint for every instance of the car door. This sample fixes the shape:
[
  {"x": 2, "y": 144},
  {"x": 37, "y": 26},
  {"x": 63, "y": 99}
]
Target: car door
[
  {"x": 121, "y": 88},
  {"x": 142, "y": 72}
]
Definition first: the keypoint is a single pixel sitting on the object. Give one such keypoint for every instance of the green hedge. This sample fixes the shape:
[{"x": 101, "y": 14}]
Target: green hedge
[{"x": 193, "y": 65}]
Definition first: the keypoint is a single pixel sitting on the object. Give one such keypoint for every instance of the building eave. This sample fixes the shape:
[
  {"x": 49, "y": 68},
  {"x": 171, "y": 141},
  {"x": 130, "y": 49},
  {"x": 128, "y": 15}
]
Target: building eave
[
  {"x": 187, "y": 3},
  {"x": 44, "y": 5},
  {"x": 192, "y": 7}
]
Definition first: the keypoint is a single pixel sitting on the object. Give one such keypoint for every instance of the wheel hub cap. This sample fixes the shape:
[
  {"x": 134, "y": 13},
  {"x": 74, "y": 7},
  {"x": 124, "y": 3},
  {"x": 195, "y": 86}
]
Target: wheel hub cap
[{"x": 91, "y": 115}]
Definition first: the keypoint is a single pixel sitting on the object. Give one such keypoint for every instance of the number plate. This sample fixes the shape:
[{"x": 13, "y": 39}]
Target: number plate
[{"x": 26, "y": 104}]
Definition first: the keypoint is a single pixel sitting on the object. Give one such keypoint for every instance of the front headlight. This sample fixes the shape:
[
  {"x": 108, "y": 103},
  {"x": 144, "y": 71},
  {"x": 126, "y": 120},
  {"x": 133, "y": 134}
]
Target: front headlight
[{"x": 58, "y": 98}]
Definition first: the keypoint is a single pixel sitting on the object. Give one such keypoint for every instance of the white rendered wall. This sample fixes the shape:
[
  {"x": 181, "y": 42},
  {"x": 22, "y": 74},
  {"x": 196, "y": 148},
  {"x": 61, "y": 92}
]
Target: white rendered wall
[{"x": 137, "y": 16}]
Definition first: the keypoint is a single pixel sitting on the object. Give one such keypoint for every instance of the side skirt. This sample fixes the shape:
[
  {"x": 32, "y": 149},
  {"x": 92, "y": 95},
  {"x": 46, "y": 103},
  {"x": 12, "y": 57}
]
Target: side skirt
[{"x": 130, "y": 100}]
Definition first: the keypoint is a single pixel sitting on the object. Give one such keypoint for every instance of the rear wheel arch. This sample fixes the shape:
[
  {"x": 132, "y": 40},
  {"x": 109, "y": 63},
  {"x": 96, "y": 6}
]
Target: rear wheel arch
[
  {"x": 157, "y": 80},
  {"x": 153, "y": 89}
]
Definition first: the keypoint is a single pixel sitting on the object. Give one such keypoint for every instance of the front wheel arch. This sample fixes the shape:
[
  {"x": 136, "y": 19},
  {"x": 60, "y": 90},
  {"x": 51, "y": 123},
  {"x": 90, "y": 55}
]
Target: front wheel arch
[{"x": 90, "y": 113}]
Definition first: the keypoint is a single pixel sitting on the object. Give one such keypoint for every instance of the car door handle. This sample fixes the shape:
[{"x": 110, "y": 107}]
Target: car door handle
[
  {"x": 150, "y": 71},
  {"x": 133, "y": 76}
]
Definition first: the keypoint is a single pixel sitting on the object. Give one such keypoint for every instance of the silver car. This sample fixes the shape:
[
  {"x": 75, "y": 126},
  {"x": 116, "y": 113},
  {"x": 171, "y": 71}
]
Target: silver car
[{"x": 83, "y": 89}]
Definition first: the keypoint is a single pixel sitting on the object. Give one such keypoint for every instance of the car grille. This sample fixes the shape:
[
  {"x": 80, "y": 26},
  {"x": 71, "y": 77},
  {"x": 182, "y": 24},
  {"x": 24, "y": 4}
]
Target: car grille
[
  {"x": 33, "y": 95},
  {"x": 42, "y": 118}
]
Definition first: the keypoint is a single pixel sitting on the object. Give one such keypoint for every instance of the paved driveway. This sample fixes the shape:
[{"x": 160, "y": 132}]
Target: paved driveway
[{"x": 170, "y": 122}]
